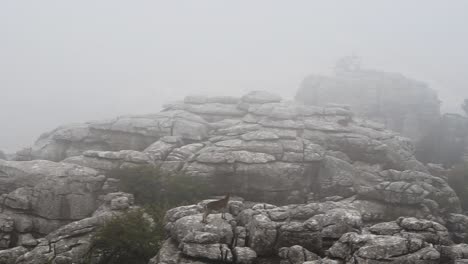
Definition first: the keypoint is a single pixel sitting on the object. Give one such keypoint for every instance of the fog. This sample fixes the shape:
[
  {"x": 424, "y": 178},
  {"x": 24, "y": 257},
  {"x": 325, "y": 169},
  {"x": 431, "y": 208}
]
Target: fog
[{"x": 71, "y": 61}]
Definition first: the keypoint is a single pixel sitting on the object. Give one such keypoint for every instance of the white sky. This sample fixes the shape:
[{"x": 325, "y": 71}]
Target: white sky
[{"x": 72, "y": 61}]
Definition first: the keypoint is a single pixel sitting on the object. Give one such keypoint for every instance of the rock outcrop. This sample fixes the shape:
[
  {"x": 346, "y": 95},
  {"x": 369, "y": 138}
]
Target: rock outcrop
[
  {"x": 122, "y": 133},
  {"x": 326, "y": 187},
  {"x": 70, "y": 243},
  {"x": 326, "y": 232},
  {"x": 37, "y": 197},
  {"x": 279, "y": 151},
  {"x": 403, "y": 105}
]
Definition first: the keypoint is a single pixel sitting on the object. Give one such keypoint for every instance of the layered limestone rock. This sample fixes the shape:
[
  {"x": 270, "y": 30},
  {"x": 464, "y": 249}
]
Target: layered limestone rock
[
  {"x": 326, "y": 233},
  {"x": 70, "y": 243},
  {"x": 37, "y": 197},
  {"x": 285, "y": 152},
  {"x": 122, "y": 133},
  {"x": 340, "y": 185}
]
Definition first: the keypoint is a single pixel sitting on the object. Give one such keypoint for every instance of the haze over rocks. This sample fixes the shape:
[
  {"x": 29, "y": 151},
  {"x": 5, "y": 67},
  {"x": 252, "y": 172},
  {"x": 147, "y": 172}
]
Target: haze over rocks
[
  {"x": 321, "y": 185},
  {"x": 401, "y": 104}
]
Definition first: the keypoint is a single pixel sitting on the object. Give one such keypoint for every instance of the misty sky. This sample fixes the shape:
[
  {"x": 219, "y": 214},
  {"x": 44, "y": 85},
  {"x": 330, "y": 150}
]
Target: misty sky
[{"x": 72, "y": 61}]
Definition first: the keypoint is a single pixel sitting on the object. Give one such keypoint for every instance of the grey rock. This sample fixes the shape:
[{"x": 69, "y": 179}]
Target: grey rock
[
  {"x": 122, "y": 133},
  {"x": 160, "y": 149},
  {"x": 26, "y": 240},
  {"x": 372, "y": 248},
  {"x": 262, "y": 232},
  {"x": 217, "y": 252},
  {"x": 260, "y": 97},
  {"x": 457, "y": 224},
  {"x": 10, "y": 255},
  {"x": 191, "y": 226},
  {"x": 71, "y": 242},
  {"x": 296, "y": 255},
  {"x": 454, "y": 253},
  {"x": 259, "y": 135},
  {"x": 410, "y": 227},
  {"x": 193, "y": 99},
  {"x": 244, "y": 255},
  {"x": 307, "y": 234}
]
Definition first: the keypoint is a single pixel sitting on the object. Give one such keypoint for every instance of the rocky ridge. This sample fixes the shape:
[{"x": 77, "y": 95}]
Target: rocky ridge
[{"x": 332, "y": 175}]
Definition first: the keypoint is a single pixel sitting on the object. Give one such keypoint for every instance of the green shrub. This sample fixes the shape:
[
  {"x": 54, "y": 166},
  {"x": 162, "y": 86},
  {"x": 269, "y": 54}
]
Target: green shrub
[{"x": 131, "y": 238}]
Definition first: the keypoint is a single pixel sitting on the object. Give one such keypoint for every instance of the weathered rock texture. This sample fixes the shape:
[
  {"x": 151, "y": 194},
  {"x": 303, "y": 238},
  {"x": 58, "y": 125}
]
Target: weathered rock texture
[
  {"x": 284, "y": 152},
  {"x": 334, "y": 176},
  {"x": 39, "y": 196},
  {"x": 326, "y": 232},
  {"x": 122, "y": 133},
  {"x": 70, "y": 243}
]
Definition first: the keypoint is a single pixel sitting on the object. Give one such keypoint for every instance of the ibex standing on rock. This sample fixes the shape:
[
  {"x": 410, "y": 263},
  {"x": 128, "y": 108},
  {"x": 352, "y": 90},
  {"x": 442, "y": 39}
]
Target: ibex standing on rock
[{"x": 218, "y": 205}]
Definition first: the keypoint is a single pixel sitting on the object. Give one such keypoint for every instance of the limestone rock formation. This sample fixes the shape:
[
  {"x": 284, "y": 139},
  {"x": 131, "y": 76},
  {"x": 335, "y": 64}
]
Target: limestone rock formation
[
  {"x": 40, "y": 196},
  {"x": 70, "y": 243},
  {"x": 122, "y": 133},
  {"x": 326, "y": 232},
  {"x": 285, "y": 152},
  {"x": 320, "y": 186},
  {"x": 402, "y": 104}
]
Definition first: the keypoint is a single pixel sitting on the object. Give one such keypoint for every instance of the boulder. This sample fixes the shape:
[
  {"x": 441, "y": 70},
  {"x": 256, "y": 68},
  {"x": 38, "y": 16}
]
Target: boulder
[
  {"x": 296, "y": 255},
  {"x": 383, "y": 249},
  {"x": 410, "y": 227}
]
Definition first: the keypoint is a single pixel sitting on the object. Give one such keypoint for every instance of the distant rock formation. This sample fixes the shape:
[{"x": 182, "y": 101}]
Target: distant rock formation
[
  {"x": 3, "y": 155},
  {"x": 401, "y": 104}
]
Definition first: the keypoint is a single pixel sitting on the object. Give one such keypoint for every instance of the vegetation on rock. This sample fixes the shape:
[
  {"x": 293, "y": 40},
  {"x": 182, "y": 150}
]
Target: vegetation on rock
[{"x": 136, "y": 236}]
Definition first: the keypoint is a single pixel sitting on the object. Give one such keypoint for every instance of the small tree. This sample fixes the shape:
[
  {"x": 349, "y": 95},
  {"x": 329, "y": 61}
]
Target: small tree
[{"x": 465, "y": 106}]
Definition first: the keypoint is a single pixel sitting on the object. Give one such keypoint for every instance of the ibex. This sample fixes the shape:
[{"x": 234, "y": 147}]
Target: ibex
[{"x": 218, "y": 205}]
